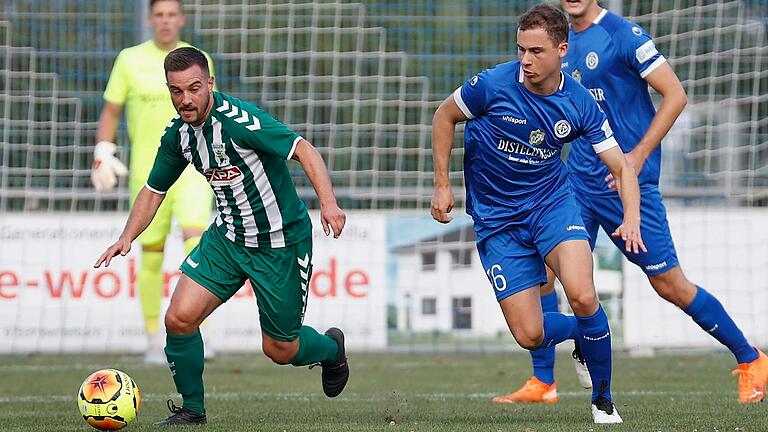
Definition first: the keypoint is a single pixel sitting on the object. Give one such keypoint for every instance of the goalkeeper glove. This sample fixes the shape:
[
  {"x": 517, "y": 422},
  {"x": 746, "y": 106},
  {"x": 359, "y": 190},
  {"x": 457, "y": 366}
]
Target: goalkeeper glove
[{"x": 106, "y": 167}]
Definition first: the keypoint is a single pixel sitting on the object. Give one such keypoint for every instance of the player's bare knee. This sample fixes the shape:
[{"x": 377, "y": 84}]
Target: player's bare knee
[
  {"x": 677, "y": 291},
  {"x": 177, "y": 323},
  {"x": 530, "y": 342},
  {"x": 583, "y": 302},
  {"x": 529, "y": 338},
  {"x": 279, "y": 352}
]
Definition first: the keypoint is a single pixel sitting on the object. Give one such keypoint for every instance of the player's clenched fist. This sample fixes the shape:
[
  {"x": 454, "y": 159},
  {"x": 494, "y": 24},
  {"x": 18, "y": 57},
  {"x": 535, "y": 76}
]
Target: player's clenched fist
[
  {"x": 106, "y": 167},
  {"x": 442, "y": 204}
]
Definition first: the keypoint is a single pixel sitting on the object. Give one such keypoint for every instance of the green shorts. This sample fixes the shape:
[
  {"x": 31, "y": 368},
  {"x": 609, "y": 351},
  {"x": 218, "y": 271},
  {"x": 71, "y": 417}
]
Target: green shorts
[
  {"x": 189, "y": 200},
  {"x": 279, "y": 277}
]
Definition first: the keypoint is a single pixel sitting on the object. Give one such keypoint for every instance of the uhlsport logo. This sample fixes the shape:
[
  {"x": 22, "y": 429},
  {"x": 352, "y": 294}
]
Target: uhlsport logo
[
  {"x": 562, "y": 128},
  {"x": 223, "y": 176},
  {"x": 658, "y": 266},
  {"x": 536, "y": 137},
  {"x": 575, "y": 228},
  {"x": 592, "y": 60}
]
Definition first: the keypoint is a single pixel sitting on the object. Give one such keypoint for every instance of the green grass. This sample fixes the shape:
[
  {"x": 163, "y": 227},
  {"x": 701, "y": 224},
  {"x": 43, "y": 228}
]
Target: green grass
[{"x": 422, "y": 393}]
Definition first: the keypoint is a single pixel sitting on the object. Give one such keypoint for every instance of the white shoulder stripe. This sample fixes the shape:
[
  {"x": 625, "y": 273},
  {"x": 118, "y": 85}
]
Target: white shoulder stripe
[
  {"x": 460, "y": 102},
  {"x": 235, "y": 111},
  {"x": 243, "y": 118},
  {"x": 224, "y": 106},
  {"x": 293, "y": 147},
  {"x": 605, "y": 145},
  {"x": 154, "y": 190},
  {"x": 653, "y": 66}
]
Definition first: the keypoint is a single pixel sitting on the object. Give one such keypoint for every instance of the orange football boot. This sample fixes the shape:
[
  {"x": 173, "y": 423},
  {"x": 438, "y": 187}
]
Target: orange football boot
[
  {"x": 752, "y": 379},
  {"x": 533, "y": 391}
]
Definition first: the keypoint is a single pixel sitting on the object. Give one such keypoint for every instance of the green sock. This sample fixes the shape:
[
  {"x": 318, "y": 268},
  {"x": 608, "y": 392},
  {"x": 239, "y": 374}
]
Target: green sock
[
  {"x": 314, "y": 347},
  {"x": 185, "y": 358},
  {"x": 150, "y": 279}
]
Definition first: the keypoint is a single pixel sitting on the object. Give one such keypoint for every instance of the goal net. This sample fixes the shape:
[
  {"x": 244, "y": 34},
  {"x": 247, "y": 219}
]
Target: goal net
[{"x": 361, "y": 81}]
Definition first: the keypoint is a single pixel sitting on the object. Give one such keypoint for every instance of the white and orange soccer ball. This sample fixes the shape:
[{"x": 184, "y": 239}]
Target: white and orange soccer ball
[{"x": 109, "y": 399}]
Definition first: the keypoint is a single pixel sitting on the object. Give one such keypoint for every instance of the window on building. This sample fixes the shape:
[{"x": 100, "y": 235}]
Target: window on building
[
  {"x": 461, "y": 258},
  {"x": 462, "y": 313},
  {"x": 428, "y": 306},
  {"x": 428, "y": 261}
]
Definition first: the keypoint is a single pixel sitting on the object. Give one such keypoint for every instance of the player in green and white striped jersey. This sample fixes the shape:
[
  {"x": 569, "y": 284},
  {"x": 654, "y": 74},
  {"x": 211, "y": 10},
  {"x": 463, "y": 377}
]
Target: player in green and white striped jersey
[{"x": 262, "y": 232}]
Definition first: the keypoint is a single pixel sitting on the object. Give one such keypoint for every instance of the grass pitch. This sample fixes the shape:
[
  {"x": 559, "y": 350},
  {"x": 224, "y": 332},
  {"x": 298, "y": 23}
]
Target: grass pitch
[{"x": 446, "y": 392}]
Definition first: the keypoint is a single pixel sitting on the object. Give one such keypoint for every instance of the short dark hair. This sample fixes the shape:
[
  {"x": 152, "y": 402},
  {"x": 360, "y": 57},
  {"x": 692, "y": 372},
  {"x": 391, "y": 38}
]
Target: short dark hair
[
  {"x": 184, "y": 58},
  {"x": 152, "y": 3},
  {"x": 546, "y": 17}
]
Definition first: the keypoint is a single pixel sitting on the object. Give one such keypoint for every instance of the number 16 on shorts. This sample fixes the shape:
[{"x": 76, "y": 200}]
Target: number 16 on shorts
[{"x": 496, "y": 277}]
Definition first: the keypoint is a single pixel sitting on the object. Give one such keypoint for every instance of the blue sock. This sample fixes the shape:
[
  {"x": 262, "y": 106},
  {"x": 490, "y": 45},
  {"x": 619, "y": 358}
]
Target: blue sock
[
  {"x": 711, "y": 316},
  {"x": 557, "y": 328},
  {"x": 595, "y": 343},
  {"x": 544, "y": 359}
]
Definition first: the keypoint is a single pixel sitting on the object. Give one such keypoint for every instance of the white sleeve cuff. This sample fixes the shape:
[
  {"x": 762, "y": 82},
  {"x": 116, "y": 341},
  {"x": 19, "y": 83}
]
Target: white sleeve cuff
[
  {"x": 655, "y": 65},
  {"x": 293, "y": 147},
  {"x": 151, "y": 189},
  {"x": 460, "y": 102},
  {"x": 605, "y": 145}
]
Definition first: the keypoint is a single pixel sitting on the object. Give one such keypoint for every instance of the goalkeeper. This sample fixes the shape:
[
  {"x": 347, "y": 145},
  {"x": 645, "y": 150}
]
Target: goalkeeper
[{"x": 137, "y": 82}]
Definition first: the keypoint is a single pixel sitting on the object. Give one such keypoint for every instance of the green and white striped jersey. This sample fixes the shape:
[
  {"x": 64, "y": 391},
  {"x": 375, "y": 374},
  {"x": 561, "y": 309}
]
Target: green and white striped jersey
[{"x": 242, "y": 151}]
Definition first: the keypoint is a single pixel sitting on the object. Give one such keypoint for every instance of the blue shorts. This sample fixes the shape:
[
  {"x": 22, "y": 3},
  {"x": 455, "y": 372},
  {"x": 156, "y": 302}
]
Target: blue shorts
[
  {"x": 513, "y": 257},
  {"x": 608, "y": 212}
]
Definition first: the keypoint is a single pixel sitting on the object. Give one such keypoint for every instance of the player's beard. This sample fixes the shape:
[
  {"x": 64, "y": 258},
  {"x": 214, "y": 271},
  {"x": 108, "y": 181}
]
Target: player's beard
[{"x": 199, "y": 111}]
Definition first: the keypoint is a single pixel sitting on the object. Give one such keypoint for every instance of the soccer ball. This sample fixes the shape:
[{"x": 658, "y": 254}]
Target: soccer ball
[{"x": 109, "y": 399}]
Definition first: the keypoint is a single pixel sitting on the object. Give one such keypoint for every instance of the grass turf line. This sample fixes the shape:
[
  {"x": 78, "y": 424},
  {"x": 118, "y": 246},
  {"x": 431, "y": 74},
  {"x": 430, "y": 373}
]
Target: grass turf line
[{"x": 419, "y": 392}]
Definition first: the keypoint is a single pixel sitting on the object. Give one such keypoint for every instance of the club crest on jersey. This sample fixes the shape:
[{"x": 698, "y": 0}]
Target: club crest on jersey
[
  {"x": 592, "y": 60},
  {"x": 576, "y": 75},
  {"x": 562, "y": 128},
  {"x": 223, "y": 177},
  {"x": 220, "y": 154},
  {"x": 536, "y": 137}
]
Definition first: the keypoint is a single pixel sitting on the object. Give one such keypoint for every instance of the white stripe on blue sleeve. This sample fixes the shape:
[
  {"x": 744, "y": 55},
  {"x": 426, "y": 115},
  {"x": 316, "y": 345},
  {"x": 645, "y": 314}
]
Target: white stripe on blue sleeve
[
  {"x": 655, "y": 65},
  {"x": 605, "y": 145},
  {"x": 460, "y": 102}
]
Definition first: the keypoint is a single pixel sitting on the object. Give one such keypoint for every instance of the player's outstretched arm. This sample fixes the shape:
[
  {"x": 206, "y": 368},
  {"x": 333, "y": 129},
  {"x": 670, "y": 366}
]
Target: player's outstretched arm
[
  {"x": 443, "y": 129},
  {"x": 142, "y": 213},
  {"x": 106, "y": 167},
  {"x": 674, "y": 99},
  {"x": 332, "y": 217},
  {"x": 629, "y": 191}
]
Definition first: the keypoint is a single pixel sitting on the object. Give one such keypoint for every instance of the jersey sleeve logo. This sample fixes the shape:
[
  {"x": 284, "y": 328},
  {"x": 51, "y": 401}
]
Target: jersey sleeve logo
[
  {"x": 536, "y": 137},
  {"x": 592, "y": 60},
  {"x": 474, "y": 80},
  {"x": 576, "y": 75},
  {"x": 562, "y": 128},
  {"x": 636, "y": 30},
  {"x": 606, "y": 128},
  {"x": 646, "y": 52},
  {"x": 241, "y": 116}
]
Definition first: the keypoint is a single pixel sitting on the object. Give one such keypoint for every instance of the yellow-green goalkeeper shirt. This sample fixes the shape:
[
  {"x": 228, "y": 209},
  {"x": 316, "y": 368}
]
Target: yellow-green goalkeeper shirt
[{"x": 137, "y": 82}]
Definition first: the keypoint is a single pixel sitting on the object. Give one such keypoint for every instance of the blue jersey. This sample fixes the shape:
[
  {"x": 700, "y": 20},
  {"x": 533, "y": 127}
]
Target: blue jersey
[
  {"x": 513, "y": 140},
  {"x": 611, "y": 58}
]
